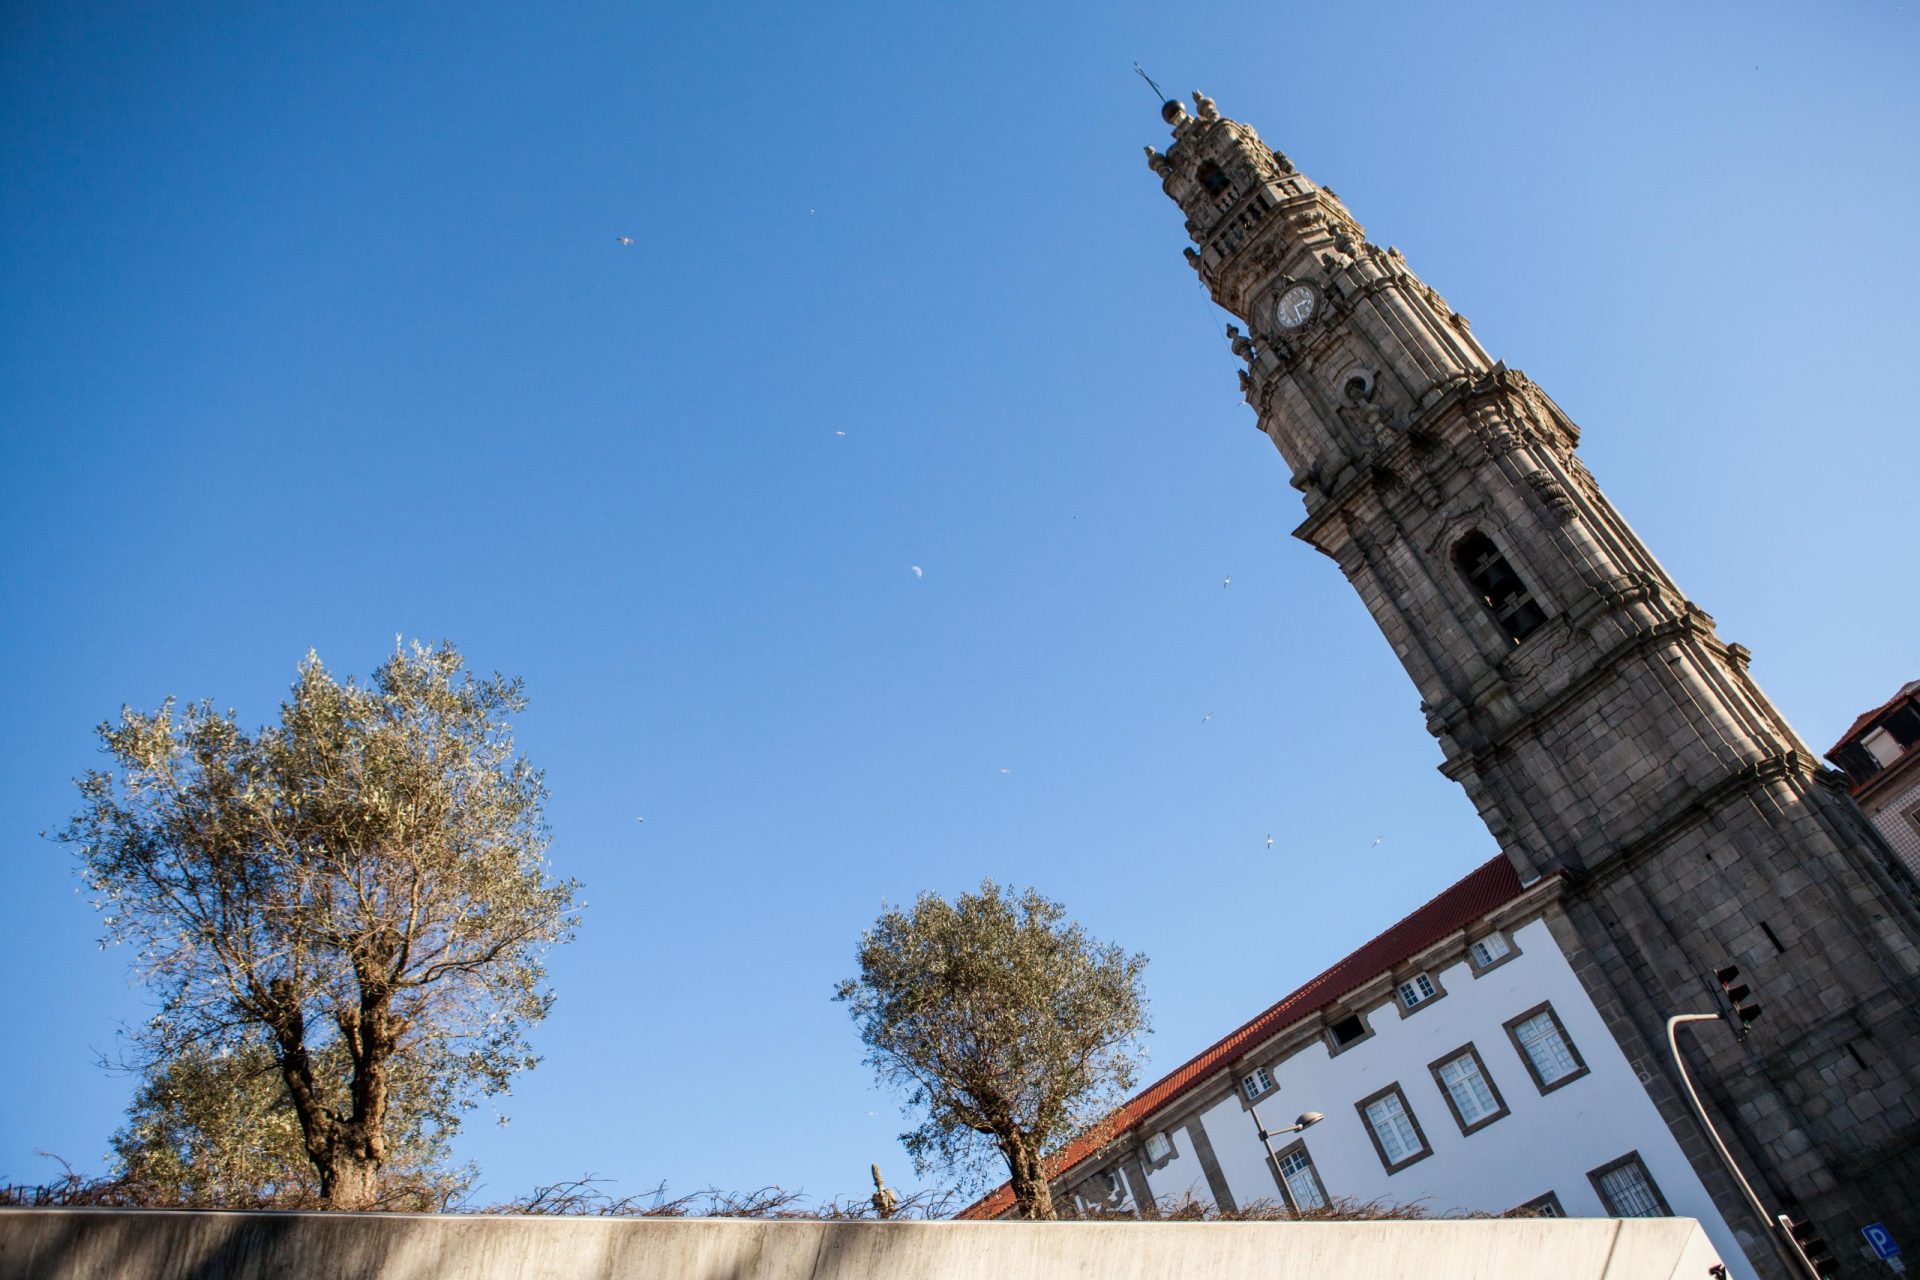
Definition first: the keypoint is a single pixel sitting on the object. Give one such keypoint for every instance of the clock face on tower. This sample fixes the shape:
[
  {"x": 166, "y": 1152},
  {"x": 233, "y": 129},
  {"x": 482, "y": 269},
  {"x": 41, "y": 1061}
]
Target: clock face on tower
[{"x": 1296, "y": 306}]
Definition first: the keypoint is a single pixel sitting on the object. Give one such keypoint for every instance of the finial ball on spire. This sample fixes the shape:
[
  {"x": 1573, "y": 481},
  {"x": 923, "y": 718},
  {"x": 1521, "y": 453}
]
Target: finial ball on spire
[{"x": 1172, "y": 110}]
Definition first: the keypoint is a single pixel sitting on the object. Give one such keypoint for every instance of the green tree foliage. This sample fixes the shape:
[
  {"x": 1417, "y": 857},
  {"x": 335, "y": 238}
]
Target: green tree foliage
[
  {"x": 1006, "y": 1023},
  {"x": 218, "y": 1128},
  {"x": 360, "y": 891}
]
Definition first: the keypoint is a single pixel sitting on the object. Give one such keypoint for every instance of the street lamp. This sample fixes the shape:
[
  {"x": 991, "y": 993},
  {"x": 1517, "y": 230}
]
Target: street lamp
[{"x": 1306, "y": 1120}]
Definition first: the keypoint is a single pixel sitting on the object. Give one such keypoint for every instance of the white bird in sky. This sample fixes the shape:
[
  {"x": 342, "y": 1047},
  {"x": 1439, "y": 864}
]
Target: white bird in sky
[
  {"x": 639, "y": 819},
  {"x": 1226, "y": 582},
  {"x": 839, "y": 433},
  {"x": 1006, "y": 771},
  {"x": 624, "y": 239},
  {"x": 1269, "y": 842},
  {"x": 1376, "y": 842},
  {"x": 918, "y": 572},
  {"x": 1206, "y": 717}
]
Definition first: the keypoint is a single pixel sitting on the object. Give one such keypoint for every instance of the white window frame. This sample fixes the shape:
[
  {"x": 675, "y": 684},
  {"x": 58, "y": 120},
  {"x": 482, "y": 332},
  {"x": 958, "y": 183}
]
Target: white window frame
[
  {"x": 1420, "y": 987},
  {"x": 1302, "y": 1160},
  {"x": 1257, "y": 1083},
  {"x": 1490, "y": 950},
  {"x": 1485, "y": 1113},
  {"x": 1393, "y": 1105},
  {"x": 1524, "y": 1048}
]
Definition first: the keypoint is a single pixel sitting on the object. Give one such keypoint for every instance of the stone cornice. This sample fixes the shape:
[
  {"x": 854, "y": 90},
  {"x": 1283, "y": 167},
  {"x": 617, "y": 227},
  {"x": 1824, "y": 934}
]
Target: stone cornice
[
  {"x": 1653, "y": 838},
  {"x": 1689, "y": 622}
]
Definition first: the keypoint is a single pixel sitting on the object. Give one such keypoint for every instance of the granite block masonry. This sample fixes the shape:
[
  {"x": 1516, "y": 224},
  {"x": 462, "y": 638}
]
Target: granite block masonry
[{"x": 1600, "y": 725}]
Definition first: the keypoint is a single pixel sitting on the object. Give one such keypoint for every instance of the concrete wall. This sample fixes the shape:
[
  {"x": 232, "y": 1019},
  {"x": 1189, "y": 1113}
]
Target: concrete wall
[{"x": 111, "y": 1244}]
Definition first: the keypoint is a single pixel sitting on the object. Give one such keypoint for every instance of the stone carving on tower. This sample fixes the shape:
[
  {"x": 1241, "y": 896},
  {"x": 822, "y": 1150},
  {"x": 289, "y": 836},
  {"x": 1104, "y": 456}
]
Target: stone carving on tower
[{"x": 1601, "y": 727}]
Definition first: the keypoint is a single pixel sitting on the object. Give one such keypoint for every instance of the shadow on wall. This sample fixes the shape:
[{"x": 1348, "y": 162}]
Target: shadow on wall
[
  {"x": 108, "y": 1244},
  {"x": 187, "y": 1245}
]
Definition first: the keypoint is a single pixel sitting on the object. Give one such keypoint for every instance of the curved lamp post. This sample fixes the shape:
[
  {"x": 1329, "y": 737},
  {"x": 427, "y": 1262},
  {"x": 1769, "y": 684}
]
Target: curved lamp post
[{"x": 1306, "y": 1120}]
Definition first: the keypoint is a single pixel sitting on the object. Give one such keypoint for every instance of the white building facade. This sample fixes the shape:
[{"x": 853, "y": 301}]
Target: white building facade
[{"x": 1459, "y": 1065}]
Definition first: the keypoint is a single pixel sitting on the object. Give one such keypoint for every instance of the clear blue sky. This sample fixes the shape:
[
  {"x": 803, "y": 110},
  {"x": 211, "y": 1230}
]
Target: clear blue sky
[{"x": 316, "y": 332}]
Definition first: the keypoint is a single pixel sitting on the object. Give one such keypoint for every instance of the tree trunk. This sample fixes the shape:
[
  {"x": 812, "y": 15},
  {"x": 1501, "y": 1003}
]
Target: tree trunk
[
  {"x": 1029, "y": 1178},
  {"x": 348, "y": 1181},
  {"x": 346, "y": 1151}
]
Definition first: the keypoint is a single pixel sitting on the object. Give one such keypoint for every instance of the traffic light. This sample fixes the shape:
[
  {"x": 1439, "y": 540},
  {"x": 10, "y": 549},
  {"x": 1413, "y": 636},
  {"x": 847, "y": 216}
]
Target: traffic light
[
  {"x": 1812, "y": 1249},
  {"x": 1744, "y": 1010}
]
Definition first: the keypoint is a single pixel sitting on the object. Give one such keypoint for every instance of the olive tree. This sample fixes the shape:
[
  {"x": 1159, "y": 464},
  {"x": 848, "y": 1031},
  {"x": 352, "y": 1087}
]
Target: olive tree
[
  {"x": 217, "y": 1127},
  {"x": 360, "y": 892},
  {"x": 1011, "y": 1028}
]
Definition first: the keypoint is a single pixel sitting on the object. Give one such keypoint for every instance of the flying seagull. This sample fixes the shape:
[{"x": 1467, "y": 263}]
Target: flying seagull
[
  {"x": 624, "y": 239},
  {"x": 1269, "y": 842},
  {"x": 918, "y": 572},
  {"x": 1006, "y": 771},
  {"x": 1206, "y": 717},
  {"x": 1226, "y": 582},
  {"x": 839, "y": 433},
  {"x": 1376, "y": 842}
]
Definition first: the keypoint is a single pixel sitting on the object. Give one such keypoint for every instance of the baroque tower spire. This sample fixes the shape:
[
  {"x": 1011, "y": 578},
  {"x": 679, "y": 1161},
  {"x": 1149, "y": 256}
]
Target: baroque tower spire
[{"x": 1600, "y": 725}]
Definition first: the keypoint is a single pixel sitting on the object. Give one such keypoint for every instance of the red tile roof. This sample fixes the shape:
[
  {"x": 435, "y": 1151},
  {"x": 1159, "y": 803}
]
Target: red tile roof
[{"x": 1482, "y": 892}]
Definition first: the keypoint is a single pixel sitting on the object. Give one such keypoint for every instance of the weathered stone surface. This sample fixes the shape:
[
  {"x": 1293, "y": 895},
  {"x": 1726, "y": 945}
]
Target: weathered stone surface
[{"x": 1616, "y": 738}]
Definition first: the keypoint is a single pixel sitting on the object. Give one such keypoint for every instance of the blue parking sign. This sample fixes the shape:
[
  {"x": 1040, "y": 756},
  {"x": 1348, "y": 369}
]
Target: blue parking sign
[{"x": 1881, "y": 1239}]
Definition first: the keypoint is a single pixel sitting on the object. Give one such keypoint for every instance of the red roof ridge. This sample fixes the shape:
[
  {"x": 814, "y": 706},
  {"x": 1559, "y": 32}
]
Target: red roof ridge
[{"x": 1481, "y": 891}]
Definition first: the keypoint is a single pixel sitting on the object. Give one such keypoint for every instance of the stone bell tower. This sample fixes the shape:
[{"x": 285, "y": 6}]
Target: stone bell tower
[{"x": 1600, "y": 726}]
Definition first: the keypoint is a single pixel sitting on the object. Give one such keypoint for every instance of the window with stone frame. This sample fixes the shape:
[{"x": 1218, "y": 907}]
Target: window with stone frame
[
  {"x": 1416, "y": 991},
  {"x": 1469, "y": 1090},
  {"x": 1498, "y": 587},
  {"x": 1345, "y": 1032},
  {"x": 1544, "y": 1047},
  {"x": 1298, "y": 1180},
  {"x": 1257, "y": 1083},
  {"x": 1490, "y": 950},
  {"x": 1628, "y": 1190},
  {"x": 1543, "y": 1206},
  {"x": 1397, "y": 1137}
]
